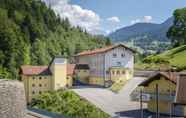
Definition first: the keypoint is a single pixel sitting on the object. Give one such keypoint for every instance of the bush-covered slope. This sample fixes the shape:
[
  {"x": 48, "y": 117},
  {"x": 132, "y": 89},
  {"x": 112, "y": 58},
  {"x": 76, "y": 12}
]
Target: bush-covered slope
[
  {"x": 67, "y": 103},
  {"x": 175, "y": 57},
  {"x": 31, "y": 33}
]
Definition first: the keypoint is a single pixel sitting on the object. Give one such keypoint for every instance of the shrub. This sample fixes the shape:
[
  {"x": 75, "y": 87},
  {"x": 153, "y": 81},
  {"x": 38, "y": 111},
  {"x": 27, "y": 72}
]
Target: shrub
[
  {"x": 67, "y": 103},
  {"x": 156, "y": 59}
]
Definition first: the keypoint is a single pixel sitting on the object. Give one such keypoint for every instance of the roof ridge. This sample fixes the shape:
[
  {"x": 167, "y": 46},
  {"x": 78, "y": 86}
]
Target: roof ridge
[{"x": 101, "y": 50}]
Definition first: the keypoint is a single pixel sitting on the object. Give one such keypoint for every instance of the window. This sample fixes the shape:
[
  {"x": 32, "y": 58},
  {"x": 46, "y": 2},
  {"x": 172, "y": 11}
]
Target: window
[
  {"x": 33, "y": 92},
  {"x": 123, "y": 72},
  {"x": 114, "y": 55},
  {"x": 40, "y": 78},
  {"x": 118, "y": 72},
  {"x": 122, "y": 55},
  {"x": 33, "y": 78},
  {"x": 107, "y": 72},
  {"x": 33, "y": 85},
  {"x": 40, "y": 85},
  {"x": 113, "y": 72},
  {"x": 85, "y": 70},
  {"x": 40, "y": 92}
]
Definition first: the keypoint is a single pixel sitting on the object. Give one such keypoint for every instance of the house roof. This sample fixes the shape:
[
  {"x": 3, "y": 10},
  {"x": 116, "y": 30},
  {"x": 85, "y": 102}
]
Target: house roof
[
  {"x": 181, "y": 90},
  {"x": 70, "y": 69},
  {"x": 82, "y": 66},
  {"x": 102, "y": 50},
  {"x": 171, "y": 76},
  {"x": 35, "y": 70}
]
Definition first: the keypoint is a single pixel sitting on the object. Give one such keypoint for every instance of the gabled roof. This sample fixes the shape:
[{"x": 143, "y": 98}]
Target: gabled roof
[
  {"x": 102, "y": 50},
  {"x": 82, "y": 66},
  {"x": 171, "y": 76},
  {"x": 70, "y": 69},
  {"x": 35, "y": 70}
]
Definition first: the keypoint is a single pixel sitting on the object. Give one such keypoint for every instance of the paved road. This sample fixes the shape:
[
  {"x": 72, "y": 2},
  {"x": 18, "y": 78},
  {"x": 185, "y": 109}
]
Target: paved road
[{"x": 112, "y": 103}]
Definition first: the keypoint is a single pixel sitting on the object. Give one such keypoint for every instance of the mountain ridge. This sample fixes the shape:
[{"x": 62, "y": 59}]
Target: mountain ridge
[
  {"x": 143, "y": 35},
  {"x": 130, "y": 30}
]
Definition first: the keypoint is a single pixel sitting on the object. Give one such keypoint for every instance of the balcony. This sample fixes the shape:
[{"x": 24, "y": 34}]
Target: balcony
[{"x": 147, "y": 96}]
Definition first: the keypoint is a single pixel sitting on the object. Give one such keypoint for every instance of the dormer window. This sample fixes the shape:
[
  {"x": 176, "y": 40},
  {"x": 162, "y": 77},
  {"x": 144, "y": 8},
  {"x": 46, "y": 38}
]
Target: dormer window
[{"x": 114, "y": 55}]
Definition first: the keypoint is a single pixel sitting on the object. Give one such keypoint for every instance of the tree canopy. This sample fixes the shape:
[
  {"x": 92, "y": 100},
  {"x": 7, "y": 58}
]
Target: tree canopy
[
  {"x": 177, "y": 33},
  {"x": 31, "y": 33}
]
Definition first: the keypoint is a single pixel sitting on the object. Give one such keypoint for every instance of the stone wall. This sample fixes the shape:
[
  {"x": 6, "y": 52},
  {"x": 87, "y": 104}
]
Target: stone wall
[{"x": 12, "y": 99}]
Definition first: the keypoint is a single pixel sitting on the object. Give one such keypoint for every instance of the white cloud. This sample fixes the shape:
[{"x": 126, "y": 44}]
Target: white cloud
[
  {"x": 135, "y": 21},
  {"x": 114, "y": 19},
  {"x": 77, "y": 16},
  {"x": 145, "y": 19},
  {"x": 107, "y": 32}
]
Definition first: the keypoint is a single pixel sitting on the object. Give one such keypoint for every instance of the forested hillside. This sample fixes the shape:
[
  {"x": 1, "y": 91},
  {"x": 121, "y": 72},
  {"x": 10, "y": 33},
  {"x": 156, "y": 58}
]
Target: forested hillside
[{"x": 31, "y": 33}]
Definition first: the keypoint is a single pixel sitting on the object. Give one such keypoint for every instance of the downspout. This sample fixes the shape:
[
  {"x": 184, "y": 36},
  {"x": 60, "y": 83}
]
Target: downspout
[{"x": 104, "y": 70}]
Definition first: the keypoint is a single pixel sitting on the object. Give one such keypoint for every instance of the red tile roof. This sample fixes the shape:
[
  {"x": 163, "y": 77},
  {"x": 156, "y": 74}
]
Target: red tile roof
[
  {"x": 70, "y": 69},
  {"x": 171, "y": 76},
  {"x": 35, "y": 70},
  {"x": 102, "y": 50}
]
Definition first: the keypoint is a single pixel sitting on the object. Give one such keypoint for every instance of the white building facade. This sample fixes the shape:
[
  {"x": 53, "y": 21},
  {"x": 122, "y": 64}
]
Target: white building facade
[{"x": 107, "y": 63}]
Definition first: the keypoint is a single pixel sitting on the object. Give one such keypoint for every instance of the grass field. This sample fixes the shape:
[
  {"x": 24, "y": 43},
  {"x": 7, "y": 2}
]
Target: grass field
[
  {"x": 118, "y": 85},
  {"x": 175, "y": 57}
]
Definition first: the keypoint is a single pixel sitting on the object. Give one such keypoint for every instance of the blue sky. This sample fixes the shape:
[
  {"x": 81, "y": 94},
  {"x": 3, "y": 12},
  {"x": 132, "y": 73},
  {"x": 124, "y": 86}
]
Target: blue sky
[{"x": 103, "y": 16}]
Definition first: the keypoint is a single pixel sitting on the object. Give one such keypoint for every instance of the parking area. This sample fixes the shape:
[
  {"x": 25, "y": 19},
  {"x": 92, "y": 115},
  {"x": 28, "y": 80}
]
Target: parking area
[{"x": 117, "y": 105}]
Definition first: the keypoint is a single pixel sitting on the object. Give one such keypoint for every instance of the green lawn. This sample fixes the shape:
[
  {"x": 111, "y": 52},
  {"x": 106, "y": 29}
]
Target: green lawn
[
  {"x": 67, "y": 103},
  {"x": 118, "y": 85},
  {"x": 175, "y": 57}
]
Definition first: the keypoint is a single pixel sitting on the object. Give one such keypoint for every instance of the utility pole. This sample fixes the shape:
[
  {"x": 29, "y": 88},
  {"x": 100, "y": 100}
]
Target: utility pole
[
  {"x": 157, "y": 99},
  {"x": 141, "y": 103}
]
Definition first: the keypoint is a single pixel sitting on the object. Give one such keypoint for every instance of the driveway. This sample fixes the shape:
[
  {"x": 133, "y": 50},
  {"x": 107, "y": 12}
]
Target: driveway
[{"x": 114, "y": 104}]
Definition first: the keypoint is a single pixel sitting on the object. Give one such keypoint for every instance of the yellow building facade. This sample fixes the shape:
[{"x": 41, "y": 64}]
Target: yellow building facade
[
  {"x": 120, "y": 74},
  {"x": 35, "y": 85},
  {"x": 39, "y": 79},
  {"x": 166, "y": 83},
  {"x": 82, "y": 73}
]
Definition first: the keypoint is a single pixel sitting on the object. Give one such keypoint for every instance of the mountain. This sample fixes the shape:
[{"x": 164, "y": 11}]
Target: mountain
[
  {"x": 31, "y": 33},
  {"x": 143, "y": 35}
]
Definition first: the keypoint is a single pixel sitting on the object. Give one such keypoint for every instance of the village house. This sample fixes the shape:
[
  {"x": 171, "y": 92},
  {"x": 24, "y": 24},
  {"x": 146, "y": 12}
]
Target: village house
[
  {"x": 38, "y": 79},
  {"x": 171, "y": 93},
  {"x": 107, "y": 64}
]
